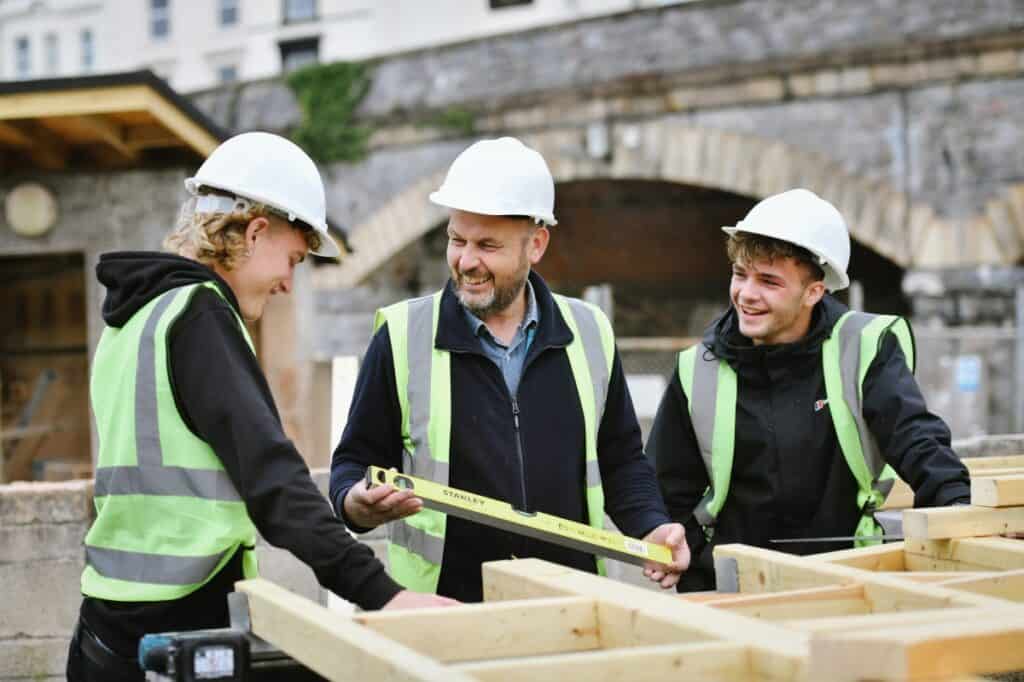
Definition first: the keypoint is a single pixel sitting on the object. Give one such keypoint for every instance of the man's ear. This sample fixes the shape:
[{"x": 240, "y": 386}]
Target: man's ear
[
  {"x": 257, "y": 227},
  {"x": 814, "y": 293},
  {"x": 538, "y": 244}
]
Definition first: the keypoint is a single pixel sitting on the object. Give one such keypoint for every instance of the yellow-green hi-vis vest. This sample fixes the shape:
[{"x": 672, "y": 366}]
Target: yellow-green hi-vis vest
[
  {"x": 423, "y": 381},
  {"x": 710, "y": 388},
  {"x": 168, "y": 518}
]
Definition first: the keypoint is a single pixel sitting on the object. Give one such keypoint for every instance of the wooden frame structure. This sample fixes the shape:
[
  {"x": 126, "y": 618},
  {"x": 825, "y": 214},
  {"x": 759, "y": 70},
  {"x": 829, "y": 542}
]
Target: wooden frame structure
[
  {"x": 935, "y": 608},
  {"x": 945, "y": 604},
  {"x": 109, "y": 121}
]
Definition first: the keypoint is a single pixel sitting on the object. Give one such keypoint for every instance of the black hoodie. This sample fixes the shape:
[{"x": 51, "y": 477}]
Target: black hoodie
[
  {"x": 224, "y": 398},
  {"x": 789, "y": 477}
]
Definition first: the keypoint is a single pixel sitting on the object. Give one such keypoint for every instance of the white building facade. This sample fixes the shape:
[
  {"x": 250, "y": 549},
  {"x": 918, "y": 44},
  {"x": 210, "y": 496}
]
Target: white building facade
[{"x": 200, "y": 44}]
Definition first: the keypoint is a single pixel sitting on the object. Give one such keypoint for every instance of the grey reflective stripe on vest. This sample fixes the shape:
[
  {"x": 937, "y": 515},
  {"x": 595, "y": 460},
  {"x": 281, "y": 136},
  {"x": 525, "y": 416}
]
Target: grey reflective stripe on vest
[
  {"x": 849, "y": 368},
  {"x": 417, "y": 541},
  {"x": 703, "y": 403},
  {"x": 206, "y": 484},
  {"x": 420, "y": 349},
  {"x": 424, "y": 467},
  {"x": 151, "y": 477},
  {"x": 597, "y": 363},
  {"x": 593, "y": 349},
  {"x": 703, "y": 407},
  {"x": 159, "y": 569}
]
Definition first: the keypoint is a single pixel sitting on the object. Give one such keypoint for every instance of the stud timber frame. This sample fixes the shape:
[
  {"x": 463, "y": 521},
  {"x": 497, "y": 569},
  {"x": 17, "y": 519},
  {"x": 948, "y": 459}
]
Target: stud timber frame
[{"x": 945, "y": 604}]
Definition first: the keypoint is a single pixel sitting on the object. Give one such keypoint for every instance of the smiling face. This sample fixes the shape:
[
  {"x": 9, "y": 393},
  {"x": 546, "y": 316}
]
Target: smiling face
[
  {"x": 774, "y": 299},
  {"x": 489, "y": 258},
  {"x": 274, "y": 248}
]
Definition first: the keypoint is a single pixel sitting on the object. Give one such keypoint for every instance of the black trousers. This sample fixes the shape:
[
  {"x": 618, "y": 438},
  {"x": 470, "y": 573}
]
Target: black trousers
[{"x": 90, "y": 660}]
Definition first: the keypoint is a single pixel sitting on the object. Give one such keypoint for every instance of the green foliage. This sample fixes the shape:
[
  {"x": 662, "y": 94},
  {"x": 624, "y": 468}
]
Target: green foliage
[
  {"x": 456, "y": 119},
  {"x": 329, "y": 95}
]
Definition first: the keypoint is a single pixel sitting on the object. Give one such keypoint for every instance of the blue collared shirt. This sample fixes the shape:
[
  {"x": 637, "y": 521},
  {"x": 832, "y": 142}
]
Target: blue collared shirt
[{"x": 510, "y": 358}]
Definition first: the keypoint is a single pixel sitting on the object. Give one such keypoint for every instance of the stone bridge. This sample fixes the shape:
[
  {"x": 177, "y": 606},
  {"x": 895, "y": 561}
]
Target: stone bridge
[{"x": 906, "y": 115}]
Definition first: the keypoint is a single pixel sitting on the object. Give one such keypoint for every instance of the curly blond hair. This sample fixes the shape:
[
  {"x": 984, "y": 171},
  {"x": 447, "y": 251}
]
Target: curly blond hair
[{"x": 219, "y": 238}]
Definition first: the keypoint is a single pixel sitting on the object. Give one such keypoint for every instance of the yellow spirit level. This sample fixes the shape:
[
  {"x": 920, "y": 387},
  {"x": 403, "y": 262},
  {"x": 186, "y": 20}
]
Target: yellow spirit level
[{"x": 538, "y": 525}]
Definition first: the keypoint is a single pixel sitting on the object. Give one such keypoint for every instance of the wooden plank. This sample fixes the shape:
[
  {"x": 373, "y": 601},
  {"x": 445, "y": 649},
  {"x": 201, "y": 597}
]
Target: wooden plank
[
  {"x": 816, "y": 602},
  {"x": 721, "y": 661},
  {"x": 77, "y": 102},
  {"x": 895, "y": 619},
  {"x": 975, "y": 554},
  {"x": 148, "y": 136},
  {"x": 932, "y": 650},
  {"x": 1006, "y": 585},
  {"x": 11, "y": 135},
  {"x": 765, "y": 570},
  {"x": 887, "y": 557},
  {"x": 781, "y": 653},
  {"x": 976, "y": 464},
  {"x": 171, "y": 117},
  {"x": 334, "y": 646},
  {"x": 902, "y": 495},
  {"x": 939, "y": 576},
  {"x": 961, "y": 522},
  {"x": 498, "y": 629},
  {"x": 998, "y": 491},
  {"x": 109, "y": 133}
]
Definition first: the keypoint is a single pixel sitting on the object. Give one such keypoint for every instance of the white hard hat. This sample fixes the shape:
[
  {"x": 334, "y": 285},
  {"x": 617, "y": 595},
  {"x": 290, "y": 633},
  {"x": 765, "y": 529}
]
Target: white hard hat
[
  {"x": 801, "y": 217},
  {"x": 271, "y": 170},
  {"x": 499, "y": 177}
]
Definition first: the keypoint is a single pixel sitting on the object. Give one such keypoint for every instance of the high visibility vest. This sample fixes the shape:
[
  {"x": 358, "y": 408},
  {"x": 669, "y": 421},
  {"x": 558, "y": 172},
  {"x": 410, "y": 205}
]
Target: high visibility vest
[
  {"x": 168, "y": 518},
  {"x": 423, "y": 381},
  {"x": 710, "y": 388}
]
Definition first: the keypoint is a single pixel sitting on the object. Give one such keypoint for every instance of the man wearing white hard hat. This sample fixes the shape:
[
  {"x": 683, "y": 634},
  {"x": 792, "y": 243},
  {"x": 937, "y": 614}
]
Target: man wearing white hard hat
[
  {"x": 193, "y": 459},
  {"x": 788, "y": 422},
  {"x": 498, "y": 386}
]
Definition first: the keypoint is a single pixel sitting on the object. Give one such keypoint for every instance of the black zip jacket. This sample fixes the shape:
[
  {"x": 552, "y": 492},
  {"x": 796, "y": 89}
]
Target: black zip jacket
[
  {"x": 789, "y": 477},
  {"x": 221, "y": 393},
  {"x": 483, "y": 455}
]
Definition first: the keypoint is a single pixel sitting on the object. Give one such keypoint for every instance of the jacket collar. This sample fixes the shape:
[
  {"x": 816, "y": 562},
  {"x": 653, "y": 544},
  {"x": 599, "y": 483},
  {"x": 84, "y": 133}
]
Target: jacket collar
[
  {"x": 454, "y": 335},
  {"x": 724, "y": 340}
]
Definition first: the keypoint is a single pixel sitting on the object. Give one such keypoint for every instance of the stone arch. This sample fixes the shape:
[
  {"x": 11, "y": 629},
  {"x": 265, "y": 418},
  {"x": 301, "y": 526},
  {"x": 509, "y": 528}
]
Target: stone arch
[{"x": 879, "y": 215}]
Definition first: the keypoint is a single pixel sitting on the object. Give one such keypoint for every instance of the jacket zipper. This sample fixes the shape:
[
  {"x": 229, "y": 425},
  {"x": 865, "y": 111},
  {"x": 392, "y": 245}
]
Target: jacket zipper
[{"x": 519, "y": 453}]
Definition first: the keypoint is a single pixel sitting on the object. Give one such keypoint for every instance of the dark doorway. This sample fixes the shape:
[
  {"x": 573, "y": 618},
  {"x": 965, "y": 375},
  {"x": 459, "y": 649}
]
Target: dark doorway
[{"x": 44, "y": 370}]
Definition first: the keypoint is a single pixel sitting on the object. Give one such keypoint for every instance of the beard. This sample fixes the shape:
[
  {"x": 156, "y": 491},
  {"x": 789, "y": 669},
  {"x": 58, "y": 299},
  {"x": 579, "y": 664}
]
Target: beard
[{"x": 500, "y": 297}]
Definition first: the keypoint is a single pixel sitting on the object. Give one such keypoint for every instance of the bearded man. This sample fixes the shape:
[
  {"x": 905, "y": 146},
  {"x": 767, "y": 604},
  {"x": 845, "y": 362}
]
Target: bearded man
[{"x": 498, "y": 386}]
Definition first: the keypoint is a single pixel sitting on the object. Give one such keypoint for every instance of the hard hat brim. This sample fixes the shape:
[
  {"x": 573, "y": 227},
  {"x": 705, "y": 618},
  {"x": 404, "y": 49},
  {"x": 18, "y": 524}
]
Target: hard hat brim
[
  {"x": 442, "y": 199},
  {"x": 328, "y": 247},
  {"x": 835, "y": 279}
]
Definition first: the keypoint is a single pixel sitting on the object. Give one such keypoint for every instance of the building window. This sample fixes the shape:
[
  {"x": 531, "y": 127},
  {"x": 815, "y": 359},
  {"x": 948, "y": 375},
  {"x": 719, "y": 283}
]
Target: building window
[
  {"x": 159, "y": 18},
  {"x": 299, "y": 10},
  {"x": 502, "y": 4},
  {"x": 22, "y": 58},
  {"x": 52, "y": 54},
  {"x": 228, "y": 13},
  {"x": 88, "y": 50},
  {"x": 298, "y": 53},
  {"x": 227, "y": 73}
]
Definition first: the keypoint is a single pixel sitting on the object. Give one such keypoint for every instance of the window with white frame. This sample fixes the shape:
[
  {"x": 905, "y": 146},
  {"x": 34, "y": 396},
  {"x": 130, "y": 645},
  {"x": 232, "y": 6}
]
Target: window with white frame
[
  {"x": 22, "y": 57},
  {"x": 88, "y": 49},
  {"x": 228, "y": 13},
  {"x": 299, "y": 10},
  {"x": 52, "y": 52},
  {"x": 159, "y": 18}
]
